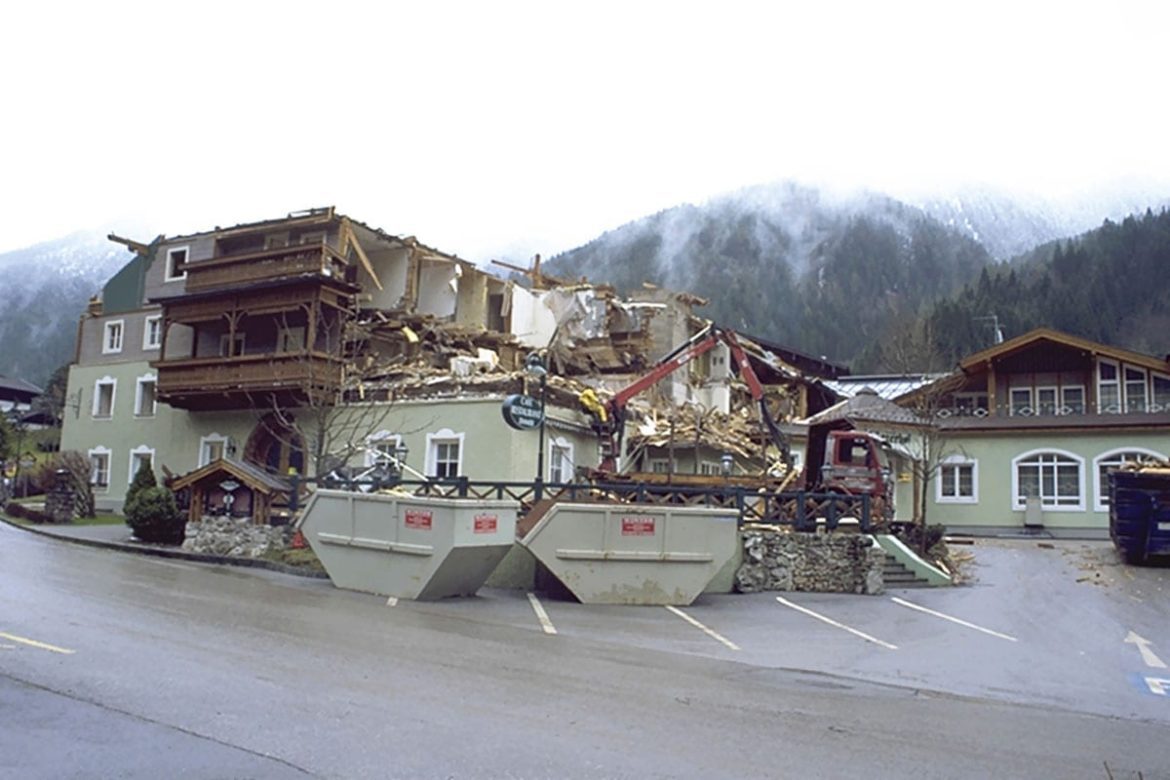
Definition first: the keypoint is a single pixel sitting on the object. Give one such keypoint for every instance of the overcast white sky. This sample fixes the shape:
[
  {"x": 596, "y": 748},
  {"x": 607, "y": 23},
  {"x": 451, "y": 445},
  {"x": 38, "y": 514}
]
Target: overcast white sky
[{"x": 490, "y": 128}]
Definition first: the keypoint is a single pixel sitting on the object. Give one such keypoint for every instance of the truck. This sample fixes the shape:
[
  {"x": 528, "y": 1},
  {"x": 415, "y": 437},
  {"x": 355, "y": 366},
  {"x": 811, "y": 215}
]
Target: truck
[{"x": 1139, "y": 512}]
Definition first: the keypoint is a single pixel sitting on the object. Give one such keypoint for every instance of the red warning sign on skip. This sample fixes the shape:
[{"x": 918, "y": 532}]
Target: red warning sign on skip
[{"x": 637, "y": 526}]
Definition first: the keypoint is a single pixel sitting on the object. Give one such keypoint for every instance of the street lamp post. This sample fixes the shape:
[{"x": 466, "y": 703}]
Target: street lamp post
[{"x": 534, "y": 366}]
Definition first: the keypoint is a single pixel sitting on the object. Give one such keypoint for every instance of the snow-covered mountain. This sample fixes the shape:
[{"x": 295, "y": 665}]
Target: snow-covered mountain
[
  {"x": 44, "y": 288},
  {"x": 1009, "y": 225}
]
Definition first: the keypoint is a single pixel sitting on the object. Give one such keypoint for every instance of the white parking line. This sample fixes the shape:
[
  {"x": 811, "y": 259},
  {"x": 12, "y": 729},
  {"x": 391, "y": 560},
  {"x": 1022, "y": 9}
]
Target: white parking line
[
  {"x": 709, "y": 632},
  {"x": 834, "y": 623},
  {"x": 541, "y": 615},
  {"x": 905, "y": 603}
]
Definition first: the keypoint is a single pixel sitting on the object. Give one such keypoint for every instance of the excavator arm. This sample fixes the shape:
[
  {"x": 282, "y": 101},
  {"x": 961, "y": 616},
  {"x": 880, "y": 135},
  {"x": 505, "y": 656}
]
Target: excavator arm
[{"x": 609, "y": 417}]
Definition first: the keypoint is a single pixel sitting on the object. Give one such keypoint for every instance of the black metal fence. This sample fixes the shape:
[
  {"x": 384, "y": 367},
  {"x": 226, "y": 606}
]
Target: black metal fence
[{"x": 802, "y": 510}]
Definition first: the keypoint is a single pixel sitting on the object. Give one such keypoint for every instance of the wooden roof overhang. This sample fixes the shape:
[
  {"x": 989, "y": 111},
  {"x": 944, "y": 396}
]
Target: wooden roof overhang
[
  {"x": 264, "y": 486},
  {"x": 1053, "y": 350}
]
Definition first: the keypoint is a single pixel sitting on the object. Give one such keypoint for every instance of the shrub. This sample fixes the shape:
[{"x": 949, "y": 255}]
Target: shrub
[
  {"x": 143, "y": 479},
  {"x": 154, "y": 516},
  {"x": 22, "y": 512}
]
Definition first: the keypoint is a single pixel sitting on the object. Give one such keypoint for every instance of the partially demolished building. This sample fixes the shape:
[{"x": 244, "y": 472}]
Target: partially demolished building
[{"x": 314, "y": 341}]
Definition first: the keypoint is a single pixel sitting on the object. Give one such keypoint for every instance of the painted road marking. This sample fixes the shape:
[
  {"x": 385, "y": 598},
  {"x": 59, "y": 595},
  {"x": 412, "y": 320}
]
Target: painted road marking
[
  {"x": 1143, "y": 646},
  {"x": 36, "y": 644},
  {"x": 834, "y": 623},
  {"x": 392, "y": 601},
  {"x": 709, "y": 632},
  {"x": 541, "y": 615},
  {"x": 911, "y": 605},
  {"x": 1159, "y": 685}
]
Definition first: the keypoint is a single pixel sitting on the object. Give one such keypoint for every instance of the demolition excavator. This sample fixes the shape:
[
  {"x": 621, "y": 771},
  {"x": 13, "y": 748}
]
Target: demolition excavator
[
  {"x": 609, "y": 417},
  {"x": 838, "y": 461}
]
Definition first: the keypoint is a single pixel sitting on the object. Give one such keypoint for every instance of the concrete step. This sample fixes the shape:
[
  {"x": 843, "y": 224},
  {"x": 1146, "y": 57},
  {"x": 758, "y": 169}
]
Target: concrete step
[{"x": 895, "y": 575}]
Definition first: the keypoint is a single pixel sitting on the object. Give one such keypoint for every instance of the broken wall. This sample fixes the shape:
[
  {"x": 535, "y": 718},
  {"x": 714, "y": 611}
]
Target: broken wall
[
  {"x": 532, "y": 323},
  {"x": 392, "y": 265},
  {"x": 437, "y": 286},
  {"x": 471, "y": 303}
]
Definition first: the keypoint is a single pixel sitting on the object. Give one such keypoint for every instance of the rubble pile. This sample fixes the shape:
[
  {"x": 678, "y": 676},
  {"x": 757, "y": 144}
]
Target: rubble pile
[
  {"x": 735, "y": 433},
  {"x": 821, "y": 563},
  {"x": 236, "y": 537}
]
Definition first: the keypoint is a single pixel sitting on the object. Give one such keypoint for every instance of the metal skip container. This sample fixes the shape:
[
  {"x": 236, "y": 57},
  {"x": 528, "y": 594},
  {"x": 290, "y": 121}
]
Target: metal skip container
[
  {"x": 406, "y": 546},
  {"x": 634, "y": 554}
]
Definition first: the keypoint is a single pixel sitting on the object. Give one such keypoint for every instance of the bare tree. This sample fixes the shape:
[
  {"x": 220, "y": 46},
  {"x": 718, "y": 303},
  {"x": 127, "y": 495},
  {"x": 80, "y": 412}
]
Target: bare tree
[
  {"x": 345, "y": 394},
  {"x": 928, "y": 442}
]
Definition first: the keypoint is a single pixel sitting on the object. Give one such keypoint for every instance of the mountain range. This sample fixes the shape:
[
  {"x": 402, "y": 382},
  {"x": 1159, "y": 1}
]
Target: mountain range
[
  {"x": 837, "y": 275},
  {"x": 829, "y": 273}
]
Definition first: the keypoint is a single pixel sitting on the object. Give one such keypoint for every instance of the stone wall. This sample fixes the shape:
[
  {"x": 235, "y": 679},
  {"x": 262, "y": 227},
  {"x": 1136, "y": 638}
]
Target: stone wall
[
  {"x": 238, "y": 537},
  {"x": 820, "y": 562}
]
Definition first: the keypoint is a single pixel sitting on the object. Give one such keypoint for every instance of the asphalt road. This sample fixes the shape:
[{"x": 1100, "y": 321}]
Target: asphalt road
[{"x": 114, "y": 665}]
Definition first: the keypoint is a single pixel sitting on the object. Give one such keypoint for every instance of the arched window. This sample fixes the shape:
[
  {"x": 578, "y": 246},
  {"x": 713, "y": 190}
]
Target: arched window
[
  {"x": 1108, "y": 461},
  {"x": 1056, "y": 477}
]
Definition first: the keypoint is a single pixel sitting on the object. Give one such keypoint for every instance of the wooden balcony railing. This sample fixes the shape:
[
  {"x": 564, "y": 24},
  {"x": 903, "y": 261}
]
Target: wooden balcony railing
[
  {"x": 271, "y": 264},
  {"x": 244, "y": 380}
]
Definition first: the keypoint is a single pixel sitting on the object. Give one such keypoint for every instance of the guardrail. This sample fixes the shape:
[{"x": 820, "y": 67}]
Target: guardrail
[{"x": 802, "y": 510}]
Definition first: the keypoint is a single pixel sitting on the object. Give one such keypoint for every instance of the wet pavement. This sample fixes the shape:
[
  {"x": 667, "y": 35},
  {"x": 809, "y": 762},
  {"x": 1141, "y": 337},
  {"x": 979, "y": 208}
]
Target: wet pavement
[{"x": 276, "y": 674}]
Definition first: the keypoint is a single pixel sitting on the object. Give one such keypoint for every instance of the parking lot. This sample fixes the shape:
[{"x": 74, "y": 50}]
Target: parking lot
[{"x": 1052, "y": 623}]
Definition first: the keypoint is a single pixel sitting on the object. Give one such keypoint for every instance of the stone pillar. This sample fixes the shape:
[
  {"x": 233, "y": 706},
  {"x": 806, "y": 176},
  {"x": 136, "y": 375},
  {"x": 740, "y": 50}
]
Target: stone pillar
[{"x": 59, "y": 501}]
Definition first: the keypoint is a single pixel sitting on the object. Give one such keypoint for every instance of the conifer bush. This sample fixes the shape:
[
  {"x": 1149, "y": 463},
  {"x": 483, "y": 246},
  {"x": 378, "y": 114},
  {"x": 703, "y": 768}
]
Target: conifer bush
[
  {"x": 151, "y": 510},
  {"x": 154, "y": 516}
]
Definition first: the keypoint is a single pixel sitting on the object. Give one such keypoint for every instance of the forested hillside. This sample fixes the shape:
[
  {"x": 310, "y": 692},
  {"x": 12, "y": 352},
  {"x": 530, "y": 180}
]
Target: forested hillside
[
  {"x": 824, "y": 276},
  {"x": 1110, "y": 285}
]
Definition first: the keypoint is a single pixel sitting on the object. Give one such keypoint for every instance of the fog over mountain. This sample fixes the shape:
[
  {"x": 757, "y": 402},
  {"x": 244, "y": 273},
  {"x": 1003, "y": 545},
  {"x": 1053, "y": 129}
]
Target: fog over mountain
[{"x": 831, "y": 272}]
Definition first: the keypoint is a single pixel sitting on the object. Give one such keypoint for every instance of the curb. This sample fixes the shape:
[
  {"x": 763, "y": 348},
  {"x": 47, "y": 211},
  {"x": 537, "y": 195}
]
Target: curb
[{"x": 166, "y": 552}]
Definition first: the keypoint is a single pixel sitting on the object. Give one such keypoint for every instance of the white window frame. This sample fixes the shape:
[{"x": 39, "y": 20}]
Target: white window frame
[
  {"x": 564, "y": 445},
  {"x": 97, "y": 396},
  {"x": 169, "y": 274},
  {"x": 444, "y": 436},
  {"x": 374, "y": 456},
  {"x": 147, "y": 344},
  {"x": 658, "y": 465},
  {"x": 712, "y": 468},
  {"x": 117, "y": 330},
  {"x": 1030, "y": 406},
  {"x": 1038, "y": 408},
  {"x": 135, "y": 453},
  {"x": 954, "y": 462},
  {"x": 1155, "y": 377},
  {"x": 205, "y": 443},
  {"x": 1100, "y": 488},
  {"x": 109, "y": 456},
  {"x": 145, "y": 378},
  {"x": 1019, "y": 505},
  {"x": 1126, "y": 382},
  {"x": 1065, "y": 408},
  {"x": 1115, "y": 382}
]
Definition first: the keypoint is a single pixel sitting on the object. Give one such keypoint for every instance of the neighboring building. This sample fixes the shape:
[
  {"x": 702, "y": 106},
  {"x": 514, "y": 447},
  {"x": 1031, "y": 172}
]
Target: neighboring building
[
  {"x": 16, "y": 396},
  {"x": 1033, "y": 425},
  {"x": 314, "y": 341}
]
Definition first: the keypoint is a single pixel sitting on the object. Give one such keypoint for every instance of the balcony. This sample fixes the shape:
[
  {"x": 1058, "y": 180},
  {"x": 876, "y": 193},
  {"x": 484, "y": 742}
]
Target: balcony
[
  {"x": 247, "y": 381},
  {"x": 270, "y": 265}
]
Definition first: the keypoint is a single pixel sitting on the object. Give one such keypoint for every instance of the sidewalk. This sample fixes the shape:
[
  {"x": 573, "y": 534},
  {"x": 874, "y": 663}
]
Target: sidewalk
[{"x": 119, "y": 537}]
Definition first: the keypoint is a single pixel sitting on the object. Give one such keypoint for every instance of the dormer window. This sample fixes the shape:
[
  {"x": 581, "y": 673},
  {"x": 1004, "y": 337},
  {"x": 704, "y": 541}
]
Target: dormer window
[{"x": 176, "y": 264}]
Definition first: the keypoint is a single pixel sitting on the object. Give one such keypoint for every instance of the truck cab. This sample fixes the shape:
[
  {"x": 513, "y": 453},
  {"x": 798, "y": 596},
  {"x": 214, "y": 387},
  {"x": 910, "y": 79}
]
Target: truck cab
[{"x": 854, "y": 463}]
